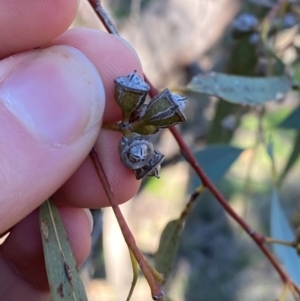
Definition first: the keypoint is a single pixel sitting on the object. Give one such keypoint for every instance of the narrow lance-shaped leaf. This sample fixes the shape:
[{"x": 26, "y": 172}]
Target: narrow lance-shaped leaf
[
  {"x": 291, "y": 122},
  {"x": 215, "y": 160},
  {"x": 280, "y": 229},
  {"x": 171, "y": 235},
  {"x": 241, "y": 89},
  {"x": 293, "y": 157},
  {"x": 168, "y": 246},
  {"x": 64, "y": 280},
  {"x": 135, "y": 270}
]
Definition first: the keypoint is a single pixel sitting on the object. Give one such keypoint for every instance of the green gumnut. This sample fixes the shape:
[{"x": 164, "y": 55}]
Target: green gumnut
[
  {"x": 165, "y": 110},
  {"x": 146, "y": 130},
  {"x": 130, "y": 93},
  {"x": 136, "y": 122}
]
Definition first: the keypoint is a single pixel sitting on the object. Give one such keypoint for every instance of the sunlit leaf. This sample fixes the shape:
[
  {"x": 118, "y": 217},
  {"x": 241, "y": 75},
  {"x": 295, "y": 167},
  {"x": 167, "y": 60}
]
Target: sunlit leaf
[
  {"x": 168, "y": 245},
  {"x": 64, "y": 280},
  {"x": 280, "y": 229},
  {"x": 241, "y": 89},
  {"x": 216, "y": 160}
]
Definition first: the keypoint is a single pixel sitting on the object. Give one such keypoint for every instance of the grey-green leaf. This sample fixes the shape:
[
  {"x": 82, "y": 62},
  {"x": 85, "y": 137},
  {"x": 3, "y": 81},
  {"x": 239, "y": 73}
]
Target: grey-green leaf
[
  {"x": 64, "y": 280},
  {"x": 168, "y": 245},
  {"x": 135, "y": 271},
  {"x": 215, "y": 160},
  {"x": 292, "y": 121},
  {"x": 241, "y": 89},
  {"x": 280, "y": 229},
  {"x": 293, "y": 157}
]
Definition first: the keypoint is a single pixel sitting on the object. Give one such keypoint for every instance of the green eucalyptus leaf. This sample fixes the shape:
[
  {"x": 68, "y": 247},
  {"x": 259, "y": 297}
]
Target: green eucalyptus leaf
[
  {"x": 168, "y": 246},
  {"x": 241, "y": 89},
  {"x": 280, "y": 229},
  {"x": 135, "y": 270},
  {"x": 296, "y": 71},
  {"x": 292, "y": 121},
  {"x": 64, "y": 280},
  {"x": 293, "y": 157},
  {"x": 215, "y": 160}
]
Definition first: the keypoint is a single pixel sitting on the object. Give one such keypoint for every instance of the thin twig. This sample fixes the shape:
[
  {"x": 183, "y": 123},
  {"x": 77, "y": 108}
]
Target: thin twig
[
  {"x": 258, "y": 238},
  {"x": 156, "y": 290},
  {"x": 191, "y": 202},
  {"x": 101, "y": 13},
  {"x": 271, "y": 240}
]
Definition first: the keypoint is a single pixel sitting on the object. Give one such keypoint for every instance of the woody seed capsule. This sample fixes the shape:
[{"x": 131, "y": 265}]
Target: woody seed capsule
[
  {"x": 165, "y": 110},
  {"x": 135, "y": 152},
  {"x": 130, "y": 93}
]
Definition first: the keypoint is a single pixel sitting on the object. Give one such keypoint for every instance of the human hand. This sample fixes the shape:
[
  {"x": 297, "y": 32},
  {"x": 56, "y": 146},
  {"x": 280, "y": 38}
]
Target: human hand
[{"x": 51, "y": 110}]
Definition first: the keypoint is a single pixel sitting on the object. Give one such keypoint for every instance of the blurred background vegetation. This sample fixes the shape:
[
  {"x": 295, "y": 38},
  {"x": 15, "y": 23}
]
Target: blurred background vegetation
[{"x": 175, "y": 41}]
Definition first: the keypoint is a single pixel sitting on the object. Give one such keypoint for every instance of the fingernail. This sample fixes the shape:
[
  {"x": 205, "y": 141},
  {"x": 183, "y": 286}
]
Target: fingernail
[
  {"x": 90, "y": 217},
  {"x": 57, "y": 94}
]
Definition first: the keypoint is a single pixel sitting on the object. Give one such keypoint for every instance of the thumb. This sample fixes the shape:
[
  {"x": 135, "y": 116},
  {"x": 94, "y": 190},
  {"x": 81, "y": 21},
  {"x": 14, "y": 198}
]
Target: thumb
[{"x": 51, "y": 107}]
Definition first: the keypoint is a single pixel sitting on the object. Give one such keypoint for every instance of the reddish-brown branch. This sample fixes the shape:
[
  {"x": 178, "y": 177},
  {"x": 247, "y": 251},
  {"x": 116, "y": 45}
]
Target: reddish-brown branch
[
  {"x": 188, "y": 155},
  {"x": 101, "y": 13},
  {"x": 258, "y": 238},
  {"x": 190, "y": 158},
  {"x": 156, "y": 290}
]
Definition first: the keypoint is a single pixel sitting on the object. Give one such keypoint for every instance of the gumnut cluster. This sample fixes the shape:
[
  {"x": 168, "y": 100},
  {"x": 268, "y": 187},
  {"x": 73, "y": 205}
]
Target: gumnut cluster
[{"x": 140, "y": 120}]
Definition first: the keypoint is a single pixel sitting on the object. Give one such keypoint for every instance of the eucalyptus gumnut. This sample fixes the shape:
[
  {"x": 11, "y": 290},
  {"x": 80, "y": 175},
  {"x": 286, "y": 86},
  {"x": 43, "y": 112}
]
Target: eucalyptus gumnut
[
  {"x": 152, "y": 168},
  {"x": 135, "y": 152},
  {"x": 130, "y": 93},
  {"x": 165, "y": 110},
  {"x": 141, "y": 120}
]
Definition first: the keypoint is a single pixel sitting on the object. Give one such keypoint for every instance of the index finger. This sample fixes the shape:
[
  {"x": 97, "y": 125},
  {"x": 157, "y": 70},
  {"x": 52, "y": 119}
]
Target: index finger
[
  {"x": 110, "y": 56},
  {"x": 32, "y": 23}
]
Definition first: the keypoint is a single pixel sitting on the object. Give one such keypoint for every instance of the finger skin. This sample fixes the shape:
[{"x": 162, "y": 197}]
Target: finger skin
[
  {"x": 38, "y": 170},
  {"x": 23, "y": 251},
  {"x": 32, "y": 165},
  {"x": 32, "y": 23},
  {"x": 36, "y": 25},
  {"x": 110, "y": 56},
  {"x": 84, "y": 188}
]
